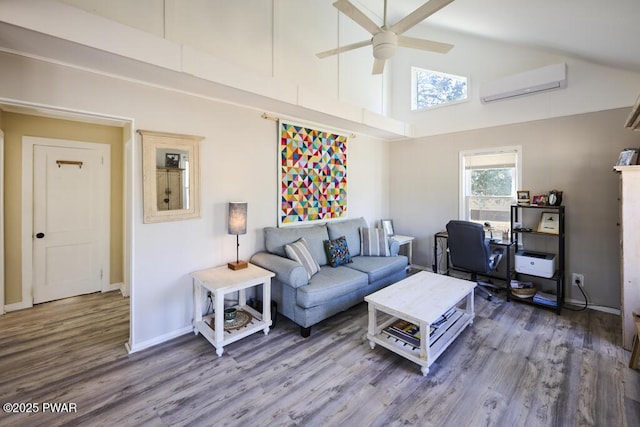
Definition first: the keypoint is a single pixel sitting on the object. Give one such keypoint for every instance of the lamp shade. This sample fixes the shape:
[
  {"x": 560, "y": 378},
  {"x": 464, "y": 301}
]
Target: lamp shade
[{"x": 237, "y": 222}]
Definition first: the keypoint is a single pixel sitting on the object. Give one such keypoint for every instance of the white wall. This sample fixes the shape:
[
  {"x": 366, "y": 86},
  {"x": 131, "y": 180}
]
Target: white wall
[
  {"x": 590, "y": 87},
  {"x": 277, "y": 38},
  {"x": 238, "y": 162},
  {"x": 574, "y": 154}
]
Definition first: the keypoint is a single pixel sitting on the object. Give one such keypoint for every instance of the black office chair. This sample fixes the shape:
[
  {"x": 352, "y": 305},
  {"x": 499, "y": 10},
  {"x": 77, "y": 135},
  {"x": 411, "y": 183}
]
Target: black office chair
[{"x": 469, "y": 251}]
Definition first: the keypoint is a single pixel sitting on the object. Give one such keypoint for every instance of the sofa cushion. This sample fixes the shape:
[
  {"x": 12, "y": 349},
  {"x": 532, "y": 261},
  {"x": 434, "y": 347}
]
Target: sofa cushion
[
  {"x": 315, "y": 235},
  {"x": 378, "y": 267},
  {"x": 337, "y": 251},
  {"x": 349, "y": 228},
  {"x": 374, "y": 242},
  {"x": 299, "y": 251},
  {"x": 328, "y": 284}
]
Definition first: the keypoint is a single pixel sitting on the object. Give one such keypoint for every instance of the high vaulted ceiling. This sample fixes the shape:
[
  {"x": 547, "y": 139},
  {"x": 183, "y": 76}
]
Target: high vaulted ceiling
[{"x": 601, "y": 31}]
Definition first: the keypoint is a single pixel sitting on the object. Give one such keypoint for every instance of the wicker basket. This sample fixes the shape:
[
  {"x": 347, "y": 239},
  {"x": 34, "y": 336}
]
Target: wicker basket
[{"x": 524, "y": 292}]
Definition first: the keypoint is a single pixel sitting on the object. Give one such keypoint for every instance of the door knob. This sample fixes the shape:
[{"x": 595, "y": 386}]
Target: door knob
[{"x": 40, "y": 235}]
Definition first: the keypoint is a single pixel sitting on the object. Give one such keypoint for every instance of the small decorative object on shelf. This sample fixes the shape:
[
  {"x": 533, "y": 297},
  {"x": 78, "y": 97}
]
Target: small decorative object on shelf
[
  {"x": 523, "y": 289},
  {"x": 555, "y": 198},
  {"x": 229, "y": 314}
]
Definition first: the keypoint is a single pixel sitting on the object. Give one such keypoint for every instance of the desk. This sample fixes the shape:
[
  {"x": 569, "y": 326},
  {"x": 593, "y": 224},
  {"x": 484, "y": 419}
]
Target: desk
[{"x": 507, "y": 244}]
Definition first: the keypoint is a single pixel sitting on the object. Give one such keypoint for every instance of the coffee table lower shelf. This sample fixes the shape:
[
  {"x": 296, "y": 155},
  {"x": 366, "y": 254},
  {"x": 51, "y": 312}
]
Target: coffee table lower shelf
[{"x": 435, "y": 344}]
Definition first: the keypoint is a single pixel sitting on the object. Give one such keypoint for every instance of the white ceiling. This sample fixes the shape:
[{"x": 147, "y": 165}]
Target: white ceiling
[{"x": 601, "y": 31}]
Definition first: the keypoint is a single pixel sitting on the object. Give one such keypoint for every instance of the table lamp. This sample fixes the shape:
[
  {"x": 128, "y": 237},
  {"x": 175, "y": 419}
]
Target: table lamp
[{"x": 237, "y": 224}]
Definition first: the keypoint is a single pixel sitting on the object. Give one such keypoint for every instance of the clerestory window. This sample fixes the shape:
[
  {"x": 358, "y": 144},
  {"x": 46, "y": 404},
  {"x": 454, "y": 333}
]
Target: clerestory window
[{"x": 431, "y": 88}]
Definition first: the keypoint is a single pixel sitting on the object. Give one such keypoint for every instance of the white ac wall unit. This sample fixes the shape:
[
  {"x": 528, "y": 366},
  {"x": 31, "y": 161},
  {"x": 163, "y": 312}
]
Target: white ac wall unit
[{"x": 530, "y": 82}]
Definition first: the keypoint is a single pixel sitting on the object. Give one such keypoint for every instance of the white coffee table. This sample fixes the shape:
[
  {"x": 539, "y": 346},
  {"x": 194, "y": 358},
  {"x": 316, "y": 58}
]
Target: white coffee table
[
  {"x": 422, "y": 299},
  {"x": 221, "y": 281}
]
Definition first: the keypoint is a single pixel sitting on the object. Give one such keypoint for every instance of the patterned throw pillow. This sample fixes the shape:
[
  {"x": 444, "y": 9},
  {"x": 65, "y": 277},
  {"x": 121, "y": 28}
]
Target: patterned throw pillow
[
  {"x": 374, "y": 242},
  {"x": 337, "y": 251},
  {"x": 299, "y": 251}
]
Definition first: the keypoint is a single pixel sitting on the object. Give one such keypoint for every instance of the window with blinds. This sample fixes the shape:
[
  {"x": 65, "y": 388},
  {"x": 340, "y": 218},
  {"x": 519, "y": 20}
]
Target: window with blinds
[{"x": 489, "y": 181}]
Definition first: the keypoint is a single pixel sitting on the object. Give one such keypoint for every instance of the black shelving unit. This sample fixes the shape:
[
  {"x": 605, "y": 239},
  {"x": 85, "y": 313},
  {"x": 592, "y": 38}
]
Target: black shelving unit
[{"x": 519, "y": 237}]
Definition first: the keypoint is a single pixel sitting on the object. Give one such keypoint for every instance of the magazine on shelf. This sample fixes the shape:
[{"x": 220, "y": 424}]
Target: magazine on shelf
[
  {"x": 545, "y": 298},
  {"x": 409, "y": 333},
  {"x": 405, "y": 331}
]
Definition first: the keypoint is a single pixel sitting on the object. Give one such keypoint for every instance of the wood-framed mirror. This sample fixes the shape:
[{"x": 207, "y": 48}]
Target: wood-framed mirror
[{"x": 171, "y": 176}]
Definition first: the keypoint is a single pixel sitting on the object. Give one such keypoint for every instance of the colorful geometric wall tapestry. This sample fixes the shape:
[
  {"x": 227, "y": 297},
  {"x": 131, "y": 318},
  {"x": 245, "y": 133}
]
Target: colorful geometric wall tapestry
[{"x": 313, "y": 175}]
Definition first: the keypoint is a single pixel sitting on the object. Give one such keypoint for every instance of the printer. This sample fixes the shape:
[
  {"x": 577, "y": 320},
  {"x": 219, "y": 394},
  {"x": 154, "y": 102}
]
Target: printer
[{"x": 535, "y": 263}]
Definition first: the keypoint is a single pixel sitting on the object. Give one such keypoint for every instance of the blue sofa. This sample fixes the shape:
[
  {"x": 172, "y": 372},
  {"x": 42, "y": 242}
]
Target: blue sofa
[{"x": 333, "y": 289}]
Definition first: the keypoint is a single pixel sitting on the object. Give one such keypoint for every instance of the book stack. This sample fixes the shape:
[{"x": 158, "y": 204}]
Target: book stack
[
  {"x": 545, "y": 298},
  {"x": 406, "y": 332},
  {"x": 409, "y": 333}
]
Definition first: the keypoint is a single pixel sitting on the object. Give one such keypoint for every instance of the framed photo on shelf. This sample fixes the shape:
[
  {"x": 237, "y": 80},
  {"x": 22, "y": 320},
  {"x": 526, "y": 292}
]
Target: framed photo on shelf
[
  {"x": 387, "y": 225},
  {"x": 549, "y": 223},
  {"x": 523, "y": 197},
  {"x": 539, "y": 200},
  {"x": 628, "y": 156}
]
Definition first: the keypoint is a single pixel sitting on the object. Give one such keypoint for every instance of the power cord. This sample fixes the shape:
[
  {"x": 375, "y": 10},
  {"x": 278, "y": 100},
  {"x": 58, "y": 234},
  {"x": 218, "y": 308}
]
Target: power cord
[
  {"x": 209, "y": 304},
  {"x": 440, "y": 261},
  {"x": 586, "y": 303}
]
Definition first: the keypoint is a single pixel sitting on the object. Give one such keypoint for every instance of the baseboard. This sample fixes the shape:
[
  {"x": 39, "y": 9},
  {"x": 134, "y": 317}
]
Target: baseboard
[
  {"x": 133, "y": 348},
  {"x": 580, "y": 303},
  {"x": 112, "y": 287},
  {"x": 17, "y": 306},
  {"x": 124, "y": 290}
]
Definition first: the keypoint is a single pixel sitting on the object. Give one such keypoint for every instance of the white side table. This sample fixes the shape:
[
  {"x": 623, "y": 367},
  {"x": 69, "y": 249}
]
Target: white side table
[
  {"x": 406, "y": 240},
  {"x": 221, "y": 281}
]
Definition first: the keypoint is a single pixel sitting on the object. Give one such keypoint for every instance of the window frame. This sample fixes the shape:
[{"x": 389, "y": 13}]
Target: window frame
[
  {"x": 517, "y": 149},
  {"x": 414, "y": 89}
]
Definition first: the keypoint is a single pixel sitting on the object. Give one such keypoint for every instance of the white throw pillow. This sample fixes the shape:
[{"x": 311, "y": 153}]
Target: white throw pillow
[
  {"x": 374, "y": 242},
  {"x": 299, "y": 251}
]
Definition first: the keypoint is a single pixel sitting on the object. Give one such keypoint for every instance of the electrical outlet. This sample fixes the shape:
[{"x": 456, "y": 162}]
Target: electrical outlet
[{"x": 577, "y": 279}]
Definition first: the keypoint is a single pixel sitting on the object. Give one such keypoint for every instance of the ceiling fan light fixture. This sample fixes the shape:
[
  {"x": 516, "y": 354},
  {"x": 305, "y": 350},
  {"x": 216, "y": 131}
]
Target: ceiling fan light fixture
[
  {"x": 385, "y": 44},
  {"x": 385, "y": 40}
]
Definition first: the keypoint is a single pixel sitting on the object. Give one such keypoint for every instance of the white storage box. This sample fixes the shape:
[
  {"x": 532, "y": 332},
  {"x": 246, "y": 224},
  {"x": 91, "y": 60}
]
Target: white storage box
[{"x": 536, "y": 263}]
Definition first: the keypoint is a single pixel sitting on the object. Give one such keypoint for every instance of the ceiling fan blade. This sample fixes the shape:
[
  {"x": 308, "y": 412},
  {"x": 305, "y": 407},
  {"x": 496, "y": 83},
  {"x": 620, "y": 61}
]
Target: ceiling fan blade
[
  {"x": 343, "y": 49},
  {"x": 346, "y": 7},
  {"x": 378, "y": 66},
  {"x": 419, "y": 15},
  {"x": 429, "y": 45}
]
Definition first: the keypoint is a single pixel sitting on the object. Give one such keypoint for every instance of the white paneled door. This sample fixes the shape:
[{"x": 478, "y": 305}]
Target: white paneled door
[{"x": 69, "y": 195}]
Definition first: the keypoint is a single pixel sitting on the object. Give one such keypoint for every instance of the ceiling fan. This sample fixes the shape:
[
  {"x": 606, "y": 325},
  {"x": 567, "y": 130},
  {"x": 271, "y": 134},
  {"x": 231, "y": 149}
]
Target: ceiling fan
[{"x": 385, "y": 39}]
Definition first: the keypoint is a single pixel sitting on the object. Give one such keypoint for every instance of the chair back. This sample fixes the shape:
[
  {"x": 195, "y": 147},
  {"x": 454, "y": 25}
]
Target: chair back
[{"x": 468, "y": 249}]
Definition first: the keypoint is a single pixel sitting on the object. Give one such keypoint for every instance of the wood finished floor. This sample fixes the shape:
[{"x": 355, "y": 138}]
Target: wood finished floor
[{"x": 518, "y": 365}]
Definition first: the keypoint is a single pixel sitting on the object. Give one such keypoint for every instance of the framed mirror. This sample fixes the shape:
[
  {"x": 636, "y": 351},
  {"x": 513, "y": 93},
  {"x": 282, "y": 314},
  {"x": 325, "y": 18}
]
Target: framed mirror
[{"x": 170, "y": 177}]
